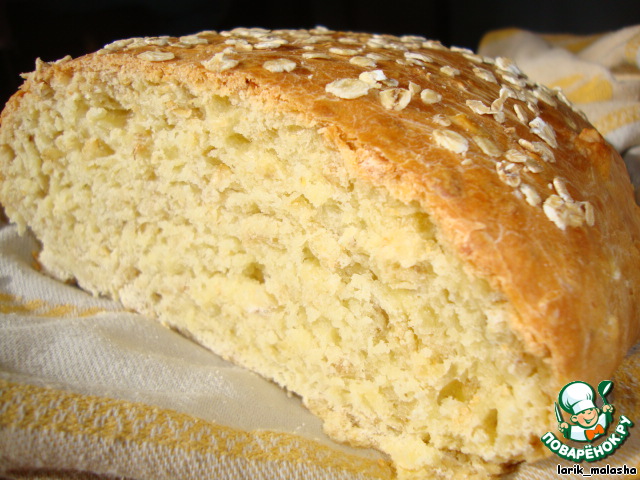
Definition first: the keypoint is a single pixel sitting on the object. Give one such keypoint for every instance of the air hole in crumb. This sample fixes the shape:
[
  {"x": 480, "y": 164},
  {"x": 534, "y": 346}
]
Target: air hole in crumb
[
  {"x": 355, "y": 268},
  {"x": 308, "y": 256},
  {"x": 211, "y": 158},
  {"x": 302, "y": 201},
  {"x": 237, "y": 139},
  {"x": 132, "y": 272},
  {"x": 330, "y": 214},
  {"x": 353, "y": 421},
  {"x": 197, "y": 112},
  {"x": 96, "y": 148},
  {"x": 251, "y": 208},
  {"x": 454, "y": 389},
  {"x": 117, "y": 118},
  {"x": 490, "y": 423},
  {"x": 255, "y": 271},
  {"x": 383, "y": 314},
  {"x": 426, "y": 439},
  {"x": 171, "y": 152}
]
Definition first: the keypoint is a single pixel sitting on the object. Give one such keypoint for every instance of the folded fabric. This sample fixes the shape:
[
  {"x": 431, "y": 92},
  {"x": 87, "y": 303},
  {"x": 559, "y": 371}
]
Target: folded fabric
[{"x": 599, "y": 73}]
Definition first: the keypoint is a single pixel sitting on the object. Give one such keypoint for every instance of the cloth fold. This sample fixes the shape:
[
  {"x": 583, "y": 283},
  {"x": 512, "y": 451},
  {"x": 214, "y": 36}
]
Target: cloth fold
[{"x": 91, "y": 391}]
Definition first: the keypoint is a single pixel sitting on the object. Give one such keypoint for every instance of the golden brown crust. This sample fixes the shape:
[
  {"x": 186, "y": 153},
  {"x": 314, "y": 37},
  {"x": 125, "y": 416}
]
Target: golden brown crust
[{"x": 520, "y": 185}]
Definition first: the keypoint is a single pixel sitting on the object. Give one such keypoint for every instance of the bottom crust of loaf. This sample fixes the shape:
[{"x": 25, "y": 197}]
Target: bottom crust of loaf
[{"x": 246, "y": 230}]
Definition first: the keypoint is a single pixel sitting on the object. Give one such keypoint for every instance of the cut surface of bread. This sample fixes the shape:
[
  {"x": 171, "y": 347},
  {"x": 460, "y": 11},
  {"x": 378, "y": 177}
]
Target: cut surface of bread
[{"x": 425, "y": 273}]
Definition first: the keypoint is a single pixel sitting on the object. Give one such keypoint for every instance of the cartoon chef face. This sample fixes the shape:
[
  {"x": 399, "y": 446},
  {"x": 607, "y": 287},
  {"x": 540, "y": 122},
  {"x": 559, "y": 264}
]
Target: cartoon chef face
[
  {"x": 587, "y": 418},
  {"x": 577, "y": 398}
]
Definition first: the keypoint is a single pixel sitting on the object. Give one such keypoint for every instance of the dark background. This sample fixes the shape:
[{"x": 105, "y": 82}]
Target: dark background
[{"x": 52, "y": 29}]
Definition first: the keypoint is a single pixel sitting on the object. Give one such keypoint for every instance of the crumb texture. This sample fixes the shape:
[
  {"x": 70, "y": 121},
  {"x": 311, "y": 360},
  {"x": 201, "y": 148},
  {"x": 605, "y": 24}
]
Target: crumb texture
[{"x": 247, "y": 232}]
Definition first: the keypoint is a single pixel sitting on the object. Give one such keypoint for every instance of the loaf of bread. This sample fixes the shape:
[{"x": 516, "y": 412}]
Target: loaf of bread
[{"x": 420, "y": 242}]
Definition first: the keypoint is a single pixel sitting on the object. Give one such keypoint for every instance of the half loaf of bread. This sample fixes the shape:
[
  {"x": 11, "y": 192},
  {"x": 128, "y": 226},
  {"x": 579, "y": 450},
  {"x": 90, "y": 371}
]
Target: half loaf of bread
[{"x": 420, "y": 242}]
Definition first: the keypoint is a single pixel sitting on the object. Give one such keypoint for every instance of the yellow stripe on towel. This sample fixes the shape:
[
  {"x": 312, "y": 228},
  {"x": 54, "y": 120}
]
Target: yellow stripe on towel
[{"x": 47, "y": 427}]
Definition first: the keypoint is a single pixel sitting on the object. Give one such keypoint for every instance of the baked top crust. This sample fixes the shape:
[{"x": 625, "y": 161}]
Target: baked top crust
[{"x": 520, "y": 185}]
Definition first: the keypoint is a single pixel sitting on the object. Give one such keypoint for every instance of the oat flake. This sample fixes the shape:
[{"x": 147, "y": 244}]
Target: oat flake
[
  {"x": 509, "y": 173},
  {"x": 219, "y": 63},
  {"x": 485, "y": 75},
  {"x": 156, "y": 56},
  {"x": 450, "y": 71},
  {"x": 395, "y": 98},
  {"x": 429, "y": 96},
  {"x": 477, "y": 106},
  {"x": 487, "y": 146},
  {"x": 544, "y": 131},
  {"x": 451, "y": 140},
  {"x": 348, "y": 88},
  {"x": 279, "y": 65},
  {"x": 362, "y": 62},
  {"x": 530, "y": 195}
]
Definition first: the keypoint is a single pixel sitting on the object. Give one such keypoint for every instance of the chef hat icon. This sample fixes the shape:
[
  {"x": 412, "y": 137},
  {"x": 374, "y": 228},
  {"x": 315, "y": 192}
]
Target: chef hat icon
[{"x": 577, "y": 397}]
